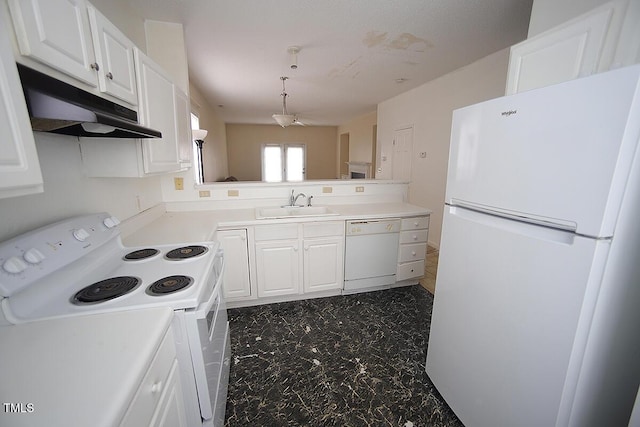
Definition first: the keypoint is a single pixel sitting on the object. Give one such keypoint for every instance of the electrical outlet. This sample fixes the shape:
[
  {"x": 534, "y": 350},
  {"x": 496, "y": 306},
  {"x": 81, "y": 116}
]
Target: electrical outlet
[
  {"x": 233, "y": 193},
  {"x": 204, "y": 193},
  {"x": 327, "y": 189},
  {"x": 359, "y": 189},
  {"x": 178, "y": 183}
]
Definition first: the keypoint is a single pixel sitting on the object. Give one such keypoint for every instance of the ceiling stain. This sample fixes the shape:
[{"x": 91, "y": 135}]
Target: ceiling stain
[
  {"x": 407, "y": 41},
  {"x": 337, "y": 72},
  {"x": 374, "y": 38}
]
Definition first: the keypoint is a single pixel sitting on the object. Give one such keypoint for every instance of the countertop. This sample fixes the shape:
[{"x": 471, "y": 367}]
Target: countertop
[
  {"x": 200, "y": 226},
  {"x": 77, "y": 371}
]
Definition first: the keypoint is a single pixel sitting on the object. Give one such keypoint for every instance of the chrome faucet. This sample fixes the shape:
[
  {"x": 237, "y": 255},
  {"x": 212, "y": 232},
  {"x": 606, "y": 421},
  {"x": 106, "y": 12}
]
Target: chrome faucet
[{"x": 294, "y": 198}]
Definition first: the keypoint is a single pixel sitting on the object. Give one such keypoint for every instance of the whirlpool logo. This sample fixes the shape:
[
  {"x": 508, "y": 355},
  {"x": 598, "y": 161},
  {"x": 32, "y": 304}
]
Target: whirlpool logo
[{"x": 508, "y": 113}]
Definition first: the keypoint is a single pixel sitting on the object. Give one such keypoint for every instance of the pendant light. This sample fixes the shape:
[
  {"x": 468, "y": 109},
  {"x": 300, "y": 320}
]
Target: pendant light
[{"x": 285, "y": 119}]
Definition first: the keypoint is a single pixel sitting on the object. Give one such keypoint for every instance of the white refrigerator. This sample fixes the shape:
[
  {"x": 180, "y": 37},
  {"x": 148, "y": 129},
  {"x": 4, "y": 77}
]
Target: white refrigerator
[{"x": 536, "y": 316}]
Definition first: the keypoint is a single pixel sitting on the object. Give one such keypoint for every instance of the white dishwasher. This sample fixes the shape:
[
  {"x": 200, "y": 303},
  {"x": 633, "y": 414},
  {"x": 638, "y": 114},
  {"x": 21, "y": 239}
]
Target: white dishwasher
[{"x": 371, "y": 254}]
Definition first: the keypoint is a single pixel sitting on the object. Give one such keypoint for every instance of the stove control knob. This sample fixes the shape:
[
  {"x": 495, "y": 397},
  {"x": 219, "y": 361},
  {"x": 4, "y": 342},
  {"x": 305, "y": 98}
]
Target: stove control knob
[
  {"x": 80, "y": 234},
  {"x": 14, "y": 265},
  {"x": 33, "y": 256},
  {"x": 111, "y": 222}
]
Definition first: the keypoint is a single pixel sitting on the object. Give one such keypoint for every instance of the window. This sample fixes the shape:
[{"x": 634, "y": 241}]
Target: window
[
  {"x": 195, "y": 124},
  {"x": 283, "y": 162}
]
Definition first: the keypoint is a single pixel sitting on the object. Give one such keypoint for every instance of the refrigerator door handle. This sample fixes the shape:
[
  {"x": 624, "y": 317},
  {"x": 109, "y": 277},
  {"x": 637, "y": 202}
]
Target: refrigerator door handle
[
  {"x": 514, "y": 225},
  {"x": 517, "y": 216}
]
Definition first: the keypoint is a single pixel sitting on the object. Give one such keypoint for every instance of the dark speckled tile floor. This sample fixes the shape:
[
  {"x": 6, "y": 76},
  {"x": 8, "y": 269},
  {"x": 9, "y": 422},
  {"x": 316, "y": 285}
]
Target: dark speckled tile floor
[{"x": 354, "y": 360}]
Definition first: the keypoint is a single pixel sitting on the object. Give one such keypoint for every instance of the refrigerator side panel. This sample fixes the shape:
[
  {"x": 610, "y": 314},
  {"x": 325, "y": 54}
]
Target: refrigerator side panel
[
  {"x": 610, "y": 372},
  {"x": 509, "y": 302},
  {"x": 560, "y": 153}
]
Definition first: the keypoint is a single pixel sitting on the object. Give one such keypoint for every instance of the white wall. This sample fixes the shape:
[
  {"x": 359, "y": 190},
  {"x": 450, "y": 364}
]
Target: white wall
[
  {"x": 67, "y": 192},
  {"x": 428, "y": 109},
  {"x": 361, "y": 136}
]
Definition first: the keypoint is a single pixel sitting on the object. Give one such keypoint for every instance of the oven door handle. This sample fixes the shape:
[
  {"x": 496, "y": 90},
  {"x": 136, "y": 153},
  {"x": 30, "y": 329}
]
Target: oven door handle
[{"x": 203, "y": 309}]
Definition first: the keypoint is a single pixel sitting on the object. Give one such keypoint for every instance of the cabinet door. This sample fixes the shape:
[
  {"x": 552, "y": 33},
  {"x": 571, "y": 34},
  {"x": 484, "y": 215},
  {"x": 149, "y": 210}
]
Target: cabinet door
[
  {"x": 236, "y": 271},
  {"x": 277, "y": 268},
  {"x": 170, "y": 411},
  {"x": 157, "y": 111},
  {"x": 56, "y": 33},
  {"x": 114, "y": 54},
  {"x": 19, "y": 166},
  {"x": 323, "y": 264},
  {"x": 183, "y": 127},
  {"x": 560, "y": 54}
]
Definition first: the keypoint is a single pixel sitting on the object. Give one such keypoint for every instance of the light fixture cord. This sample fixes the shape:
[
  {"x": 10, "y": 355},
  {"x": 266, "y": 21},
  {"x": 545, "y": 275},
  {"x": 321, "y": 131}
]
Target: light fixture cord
[{"x": 284, "y": 97}]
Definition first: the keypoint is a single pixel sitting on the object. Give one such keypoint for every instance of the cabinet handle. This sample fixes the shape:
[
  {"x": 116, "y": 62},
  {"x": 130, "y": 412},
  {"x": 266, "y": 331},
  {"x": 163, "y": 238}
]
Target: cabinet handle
[
  {"x": 156, "y": 387},
  {"x": 415, "y": 237},
  {"x": 95, "y": 66},
  {"x": 413, "y": 253},
  {"x": 109, "y": 75}
]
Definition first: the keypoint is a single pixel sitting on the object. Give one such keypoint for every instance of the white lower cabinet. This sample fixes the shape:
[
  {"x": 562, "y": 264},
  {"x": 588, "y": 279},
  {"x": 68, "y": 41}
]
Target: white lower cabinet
[
  {"x": 159, "y": 400},
  {"x": 413, "y": 248},
  {"x": 323, "y": 256},
  {"x": 277, "y": 268},
  {"x": 237, "y": 283},
  {"x": 282, "y": 268}
]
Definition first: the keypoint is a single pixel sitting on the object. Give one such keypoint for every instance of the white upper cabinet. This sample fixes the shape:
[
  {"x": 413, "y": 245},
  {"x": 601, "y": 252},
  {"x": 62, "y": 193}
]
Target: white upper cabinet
[
  {"x": 161, "y": 106},
  {"x": 183, "y": 127},
  {"x": 604, "y": 38},
  {"x": 19, "y": 166},
  {"x": 114, "y": 53},
  {"x": 56, "y": 33},
  {"x": 61, "y": 35},
  {"x": 157, "y": 111}
]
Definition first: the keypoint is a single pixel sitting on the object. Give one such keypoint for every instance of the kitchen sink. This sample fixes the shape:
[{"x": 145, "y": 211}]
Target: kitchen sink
[{"x": 293, "y": 211}]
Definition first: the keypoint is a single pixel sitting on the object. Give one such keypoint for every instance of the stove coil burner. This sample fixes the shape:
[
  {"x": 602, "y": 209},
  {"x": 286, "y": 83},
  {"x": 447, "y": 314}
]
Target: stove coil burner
[
  {"x": 169, "y": 285},
  {"x": 140, "y": 254},
  {"x": 185, "y": 252},
  {"x": 105, "y": 290}
]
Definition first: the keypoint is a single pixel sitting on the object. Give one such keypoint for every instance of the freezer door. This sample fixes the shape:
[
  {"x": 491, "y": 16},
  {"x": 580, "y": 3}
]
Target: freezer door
[
  {"x": 510, "y": 302},
  {"x": 560, "y": 153}
]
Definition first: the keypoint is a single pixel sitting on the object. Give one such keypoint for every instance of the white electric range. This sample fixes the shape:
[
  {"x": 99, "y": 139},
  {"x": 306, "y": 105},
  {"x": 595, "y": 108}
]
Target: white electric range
[{"x": 79, "y": 266}]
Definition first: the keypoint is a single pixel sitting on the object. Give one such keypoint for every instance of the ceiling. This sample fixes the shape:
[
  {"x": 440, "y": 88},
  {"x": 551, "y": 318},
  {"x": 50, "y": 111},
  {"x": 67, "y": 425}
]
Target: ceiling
[{"x": 353, "y": 53}]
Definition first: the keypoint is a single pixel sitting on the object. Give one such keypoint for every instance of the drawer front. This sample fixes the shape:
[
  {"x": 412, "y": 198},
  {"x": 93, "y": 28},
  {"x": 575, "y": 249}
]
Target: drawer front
[
  {"x": 415, "y": 236},
  {"x": 412, "y": 252},
  {"x": 410, "y": 270},
  {"x": 276, "y": 232},
  {"x": 151, "y": 389},
  {"x": 323, "y": 229},
  {"x": 415, "y": 223}
]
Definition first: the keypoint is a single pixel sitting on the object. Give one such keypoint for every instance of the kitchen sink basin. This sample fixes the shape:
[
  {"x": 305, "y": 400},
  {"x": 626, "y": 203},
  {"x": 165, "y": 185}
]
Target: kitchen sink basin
[{"x": 293, "y": 211}]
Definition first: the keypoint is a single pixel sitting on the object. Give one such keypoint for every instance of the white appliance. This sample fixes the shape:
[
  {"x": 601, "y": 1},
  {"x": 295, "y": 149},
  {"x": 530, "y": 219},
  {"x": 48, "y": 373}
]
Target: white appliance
[
  {"x": 536, "y": 318},
  {"x": 371, "y": 254},
  {"x": 79, "y": 266}
]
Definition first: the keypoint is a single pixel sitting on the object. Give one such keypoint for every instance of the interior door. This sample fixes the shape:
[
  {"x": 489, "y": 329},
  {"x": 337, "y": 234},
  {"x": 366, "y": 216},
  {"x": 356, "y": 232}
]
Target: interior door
[
  {"x": 506, "y": 314},
  {"x": 402, "y": 149}
]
